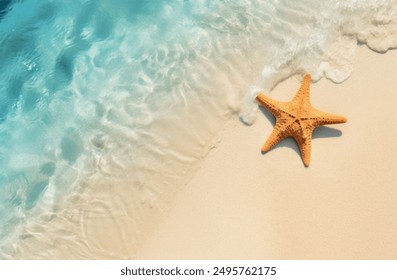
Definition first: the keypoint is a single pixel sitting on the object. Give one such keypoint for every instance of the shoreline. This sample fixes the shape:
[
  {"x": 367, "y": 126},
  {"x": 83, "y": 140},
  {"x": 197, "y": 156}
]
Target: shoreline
[{"x": 241, "y": 204}]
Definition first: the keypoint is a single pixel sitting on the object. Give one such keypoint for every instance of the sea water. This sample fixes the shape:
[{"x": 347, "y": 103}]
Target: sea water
[{"x": 107, "y": 106}]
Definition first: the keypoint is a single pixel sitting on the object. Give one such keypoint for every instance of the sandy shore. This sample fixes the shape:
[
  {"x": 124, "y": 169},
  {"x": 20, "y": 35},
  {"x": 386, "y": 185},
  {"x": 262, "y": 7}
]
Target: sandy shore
[{"x": 245, "y": 205}]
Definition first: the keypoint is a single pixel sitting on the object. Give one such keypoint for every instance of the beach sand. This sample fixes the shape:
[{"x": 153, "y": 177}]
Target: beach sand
[{"x": 242, "y": 204}]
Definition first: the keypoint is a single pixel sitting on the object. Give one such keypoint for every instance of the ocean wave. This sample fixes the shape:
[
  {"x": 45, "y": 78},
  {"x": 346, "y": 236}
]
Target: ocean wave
[{"x": 107, "y": 107}]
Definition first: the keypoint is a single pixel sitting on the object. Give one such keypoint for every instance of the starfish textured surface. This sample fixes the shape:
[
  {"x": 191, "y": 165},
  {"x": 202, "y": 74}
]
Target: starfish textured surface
[{"x": 296, "y": 118}]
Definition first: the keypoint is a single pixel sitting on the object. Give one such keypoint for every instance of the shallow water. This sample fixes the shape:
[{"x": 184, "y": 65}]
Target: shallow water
[{"x": 107, "y": 107}]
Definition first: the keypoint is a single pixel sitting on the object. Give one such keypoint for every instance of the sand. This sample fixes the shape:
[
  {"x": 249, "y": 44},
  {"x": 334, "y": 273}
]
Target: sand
[{"x": 242, "y": 204}]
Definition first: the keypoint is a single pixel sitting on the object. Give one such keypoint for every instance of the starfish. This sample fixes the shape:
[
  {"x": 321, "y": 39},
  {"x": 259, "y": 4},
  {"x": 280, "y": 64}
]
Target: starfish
[{"x": 296, "y": 118}]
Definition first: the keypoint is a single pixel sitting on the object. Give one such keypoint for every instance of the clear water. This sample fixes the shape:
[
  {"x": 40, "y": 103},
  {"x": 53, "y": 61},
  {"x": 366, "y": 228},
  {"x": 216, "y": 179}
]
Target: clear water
[{"x": 107, "y": 106}]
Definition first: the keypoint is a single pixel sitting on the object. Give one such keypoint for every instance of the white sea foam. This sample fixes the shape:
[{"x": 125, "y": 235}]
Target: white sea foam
[{"x": 108, "y": 107}]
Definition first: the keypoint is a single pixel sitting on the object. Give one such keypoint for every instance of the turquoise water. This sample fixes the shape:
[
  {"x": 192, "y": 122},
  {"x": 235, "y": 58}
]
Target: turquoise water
[{"x": 130, "y": 95}]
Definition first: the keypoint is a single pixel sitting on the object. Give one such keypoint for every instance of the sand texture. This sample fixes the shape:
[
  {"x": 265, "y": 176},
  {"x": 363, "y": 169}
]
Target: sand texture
[{"x": 242, "y": 204}]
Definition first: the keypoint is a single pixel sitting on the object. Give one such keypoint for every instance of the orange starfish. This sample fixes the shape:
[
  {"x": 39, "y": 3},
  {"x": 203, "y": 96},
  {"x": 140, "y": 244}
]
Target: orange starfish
[{"x": 296, "y": 118}]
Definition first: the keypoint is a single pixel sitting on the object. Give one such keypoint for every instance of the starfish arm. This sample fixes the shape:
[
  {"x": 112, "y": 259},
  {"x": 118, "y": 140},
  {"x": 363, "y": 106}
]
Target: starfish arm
[
  {"x": 322, "y": 118},
  {"x": 303, "y": 94},
  {"x": 275, "y": 107},
  {"x": 305, "y": 145},
  {"x": 275, "y": 137}
]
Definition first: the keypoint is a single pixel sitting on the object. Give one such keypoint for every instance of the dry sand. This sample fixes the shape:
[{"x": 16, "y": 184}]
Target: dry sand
[{"x": 245, "y": 205}]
